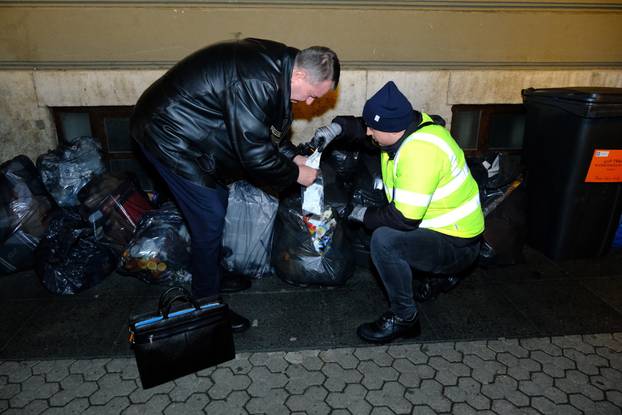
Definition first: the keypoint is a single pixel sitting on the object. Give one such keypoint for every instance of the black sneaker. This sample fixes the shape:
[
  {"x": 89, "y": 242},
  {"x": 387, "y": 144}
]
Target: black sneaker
[
  {"x": 433, "y": 286},
  {"x": 388, "y": 328}
]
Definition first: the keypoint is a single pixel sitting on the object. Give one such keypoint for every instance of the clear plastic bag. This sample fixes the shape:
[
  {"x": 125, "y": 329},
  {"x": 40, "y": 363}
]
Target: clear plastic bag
[
  {"x": 114, "y": 204},
  {"x": 159, "y": 252},
  {"x": 313, "y": 197},
  {"x": 249, "y": 224},
  {"x": 69, "y": 168}
]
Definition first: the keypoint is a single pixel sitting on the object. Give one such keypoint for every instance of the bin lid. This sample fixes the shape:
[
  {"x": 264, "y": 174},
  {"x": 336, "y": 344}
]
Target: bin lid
[
  {"x": 589, "y": 102},
  {"x": 594, "y": 95}
]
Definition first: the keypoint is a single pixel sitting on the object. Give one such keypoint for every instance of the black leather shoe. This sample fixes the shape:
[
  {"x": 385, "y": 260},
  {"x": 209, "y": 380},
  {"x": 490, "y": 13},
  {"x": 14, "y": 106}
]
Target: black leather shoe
[
  {"x": 433, "y": 286},
  {"x": 232, "y": 282},
  {"x": 388, "y": 328},
  {"x": 238, "y": 322}
]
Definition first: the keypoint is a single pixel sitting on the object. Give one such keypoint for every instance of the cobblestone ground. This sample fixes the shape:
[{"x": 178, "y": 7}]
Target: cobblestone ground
[{"x": 558, "y": 375}]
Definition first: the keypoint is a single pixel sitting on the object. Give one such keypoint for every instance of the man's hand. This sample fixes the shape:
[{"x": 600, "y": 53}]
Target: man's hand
[
  {"x": 300, "y": 160},
  {"x": 306, "y": 175},
  {"x": 358, "y": 213},
  {"x": 324, "y": 135}
]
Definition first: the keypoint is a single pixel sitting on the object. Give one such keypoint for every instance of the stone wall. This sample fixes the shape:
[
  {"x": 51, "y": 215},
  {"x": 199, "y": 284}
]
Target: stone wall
[{"x": 26, "y": 125}]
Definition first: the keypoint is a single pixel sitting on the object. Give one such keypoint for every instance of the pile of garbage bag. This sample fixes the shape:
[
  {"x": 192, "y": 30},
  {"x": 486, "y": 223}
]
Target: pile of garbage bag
[
  {"x": 67, "y": 218},
  {"x": 106, "y": 223}
]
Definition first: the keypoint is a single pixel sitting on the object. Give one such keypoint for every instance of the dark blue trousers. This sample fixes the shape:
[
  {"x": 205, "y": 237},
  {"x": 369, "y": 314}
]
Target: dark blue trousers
[
  {"x": 395, "y": 253},
  {"x": 204, "y": 210}
]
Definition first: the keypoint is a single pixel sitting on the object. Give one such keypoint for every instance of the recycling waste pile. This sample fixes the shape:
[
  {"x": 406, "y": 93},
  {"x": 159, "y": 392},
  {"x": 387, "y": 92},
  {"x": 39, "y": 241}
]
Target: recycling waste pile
[{"x": 74, "y": 222}]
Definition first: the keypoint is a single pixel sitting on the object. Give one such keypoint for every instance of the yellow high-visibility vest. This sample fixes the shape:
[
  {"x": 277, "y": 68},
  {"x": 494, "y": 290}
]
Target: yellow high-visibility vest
[{"x": 429, "y": 180}]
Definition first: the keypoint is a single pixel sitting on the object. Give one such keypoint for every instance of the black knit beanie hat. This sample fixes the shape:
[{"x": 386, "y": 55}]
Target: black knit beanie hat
[{"x": 388, "y": 110}]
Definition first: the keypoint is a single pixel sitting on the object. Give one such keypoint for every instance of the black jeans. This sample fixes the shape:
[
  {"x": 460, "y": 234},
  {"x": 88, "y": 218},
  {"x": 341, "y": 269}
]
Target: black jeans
[{"x": 395, "y": 253}]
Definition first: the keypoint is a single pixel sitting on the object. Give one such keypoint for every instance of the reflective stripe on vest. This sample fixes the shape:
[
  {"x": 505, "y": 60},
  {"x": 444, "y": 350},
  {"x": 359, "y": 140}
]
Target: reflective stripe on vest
[
  {"x": 411, "y": 198},
  {"x": 459, "y": 176},
  {"x": 454, "y": 216},
  {"x": 419, "y": 199}
]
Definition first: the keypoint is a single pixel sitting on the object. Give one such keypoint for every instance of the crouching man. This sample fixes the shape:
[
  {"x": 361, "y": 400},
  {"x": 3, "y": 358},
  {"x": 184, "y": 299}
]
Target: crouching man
[{"x": 433, "y": 220}]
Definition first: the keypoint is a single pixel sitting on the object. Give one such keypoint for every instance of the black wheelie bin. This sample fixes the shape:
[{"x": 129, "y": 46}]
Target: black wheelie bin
[{"x": 573, "y": 156}]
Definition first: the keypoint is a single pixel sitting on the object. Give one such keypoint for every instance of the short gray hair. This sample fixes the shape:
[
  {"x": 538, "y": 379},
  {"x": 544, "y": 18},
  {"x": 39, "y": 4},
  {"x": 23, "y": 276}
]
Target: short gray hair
[{"x": 321, "y": 64}]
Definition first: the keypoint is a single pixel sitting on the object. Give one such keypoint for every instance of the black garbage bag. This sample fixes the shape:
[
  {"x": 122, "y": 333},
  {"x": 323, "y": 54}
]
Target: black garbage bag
[
  {"x": 368, "y": 191},
  {"x": 69, "y": 259},
  {"x": 68, "y": 168},
  {"x": 25, "y": 210},
  {"x": 505, "y": 234},
  {"x": 494, "y": 172},
  {"x": 114, "y": 203},
  {"x": 302, "y": 255},
  {"x": 337, "y": 195},
  {"x": 344, "y": 163},
  {"x": 159, "y": 252},
  {"x": 368, "y": 188}
]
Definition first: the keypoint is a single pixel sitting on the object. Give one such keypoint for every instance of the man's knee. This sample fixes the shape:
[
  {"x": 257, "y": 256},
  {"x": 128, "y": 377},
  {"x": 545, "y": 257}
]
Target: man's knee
[{"x": 382, "y": 240}]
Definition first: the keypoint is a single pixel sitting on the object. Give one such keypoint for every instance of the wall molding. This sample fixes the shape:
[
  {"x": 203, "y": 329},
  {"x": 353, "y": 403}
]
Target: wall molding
[
  {"x": 341, "y": 4},
  {"x": 352, "y": 65}
]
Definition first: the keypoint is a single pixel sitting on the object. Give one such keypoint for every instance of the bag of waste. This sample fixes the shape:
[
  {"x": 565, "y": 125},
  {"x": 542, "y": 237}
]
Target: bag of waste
[
  {"x": 337, "y": 194},
  {"x": 494, "y": 172},
  {"x": 368, "y": 190},
  {"x": 310, "y": 250},
  {"x": 249, "y": 226},
  {"x": 159, "y": 252},
  {"x": 25, "y": 210},
  {"x": 69, "y": 258},
  {"x": 368, "y": 187},
  {"x": 68, "y": 168},
  {"x": 505, "y": 232},
  {"x": 343, "y": 162},
  {"x": 114, "y": 204}
]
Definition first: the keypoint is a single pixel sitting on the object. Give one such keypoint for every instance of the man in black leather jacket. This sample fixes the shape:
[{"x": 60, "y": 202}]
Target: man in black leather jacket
[{"x": 221, "y": 114}]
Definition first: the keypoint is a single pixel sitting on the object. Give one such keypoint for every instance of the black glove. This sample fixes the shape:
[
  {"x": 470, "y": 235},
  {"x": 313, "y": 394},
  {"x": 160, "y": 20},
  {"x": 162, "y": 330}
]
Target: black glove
[{"x": 352, "y": 128}]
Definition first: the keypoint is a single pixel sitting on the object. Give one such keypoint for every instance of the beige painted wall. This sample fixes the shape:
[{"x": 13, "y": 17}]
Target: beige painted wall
[{"x": 367, "y": 34}]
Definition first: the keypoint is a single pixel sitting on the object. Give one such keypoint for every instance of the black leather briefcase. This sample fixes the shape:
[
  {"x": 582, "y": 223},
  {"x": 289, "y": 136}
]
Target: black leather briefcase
[{"x": 179, "y": 339}]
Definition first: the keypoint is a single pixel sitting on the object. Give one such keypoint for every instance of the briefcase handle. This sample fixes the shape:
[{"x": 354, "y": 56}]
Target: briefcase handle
[{"x": 173, "y": 294}]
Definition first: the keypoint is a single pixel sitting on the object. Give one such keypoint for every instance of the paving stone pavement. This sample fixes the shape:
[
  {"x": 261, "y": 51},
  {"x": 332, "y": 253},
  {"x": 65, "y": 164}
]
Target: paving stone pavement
[{"x": 579, "y": 374}]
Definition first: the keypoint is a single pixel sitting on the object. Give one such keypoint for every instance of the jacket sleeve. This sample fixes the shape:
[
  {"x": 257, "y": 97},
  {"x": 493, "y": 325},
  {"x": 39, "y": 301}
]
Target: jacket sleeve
[
  {"x": 247, "y": 116},
  {"x": 388, "y": 215},
  {"x": 287, "y": 149}
]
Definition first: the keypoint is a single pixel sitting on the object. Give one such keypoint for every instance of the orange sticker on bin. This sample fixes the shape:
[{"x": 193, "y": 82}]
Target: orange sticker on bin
[{"x": 605, "y": 167}]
